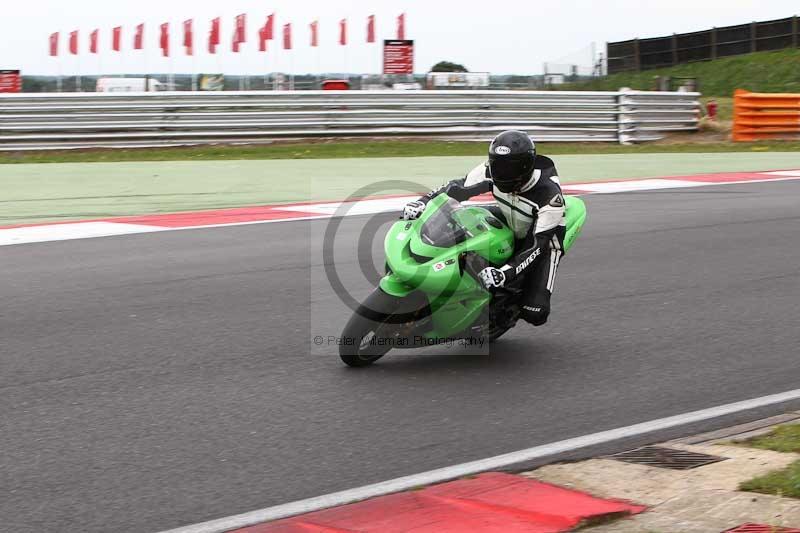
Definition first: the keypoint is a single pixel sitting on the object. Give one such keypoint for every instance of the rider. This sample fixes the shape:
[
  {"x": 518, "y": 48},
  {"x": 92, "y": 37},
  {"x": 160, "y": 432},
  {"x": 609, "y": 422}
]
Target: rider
[{"x": 528, "y": 192}]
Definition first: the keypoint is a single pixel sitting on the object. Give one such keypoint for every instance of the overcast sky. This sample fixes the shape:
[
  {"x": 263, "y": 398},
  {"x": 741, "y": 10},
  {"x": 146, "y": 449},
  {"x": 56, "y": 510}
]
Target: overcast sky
[{"x": 506, "y": 36}]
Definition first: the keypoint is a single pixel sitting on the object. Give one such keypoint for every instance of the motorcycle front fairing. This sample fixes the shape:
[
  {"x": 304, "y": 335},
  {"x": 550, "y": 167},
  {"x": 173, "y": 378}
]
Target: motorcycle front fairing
[{"x": 429, "y": 255}]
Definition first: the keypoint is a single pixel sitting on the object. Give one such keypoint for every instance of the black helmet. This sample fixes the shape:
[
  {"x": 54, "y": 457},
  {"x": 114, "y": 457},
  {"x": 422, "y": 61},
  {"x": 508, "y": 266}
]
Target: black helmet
[{"x": 511, "y": 158}]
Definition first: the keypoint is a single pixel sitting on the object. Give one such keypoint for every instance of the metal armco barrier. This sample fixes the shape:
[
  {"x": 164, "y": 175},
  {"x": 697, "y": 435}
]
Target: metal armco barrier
[
  {"x": 758, "y": 116},
  {"x": 83, "y": 120}
]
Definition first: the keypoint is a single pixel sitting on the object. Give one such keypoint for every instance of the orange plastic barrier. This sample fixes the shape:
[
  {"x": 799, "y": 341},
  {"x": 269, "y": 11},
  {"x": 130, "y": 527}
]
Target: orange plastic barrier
[{"x": 758, "y": 116}]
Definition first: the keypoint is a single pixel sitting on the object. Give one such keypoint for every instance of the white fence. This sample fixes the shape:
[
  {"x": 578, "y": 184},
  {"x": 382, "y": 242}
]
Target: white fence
[{"x": 83, "y": 120}]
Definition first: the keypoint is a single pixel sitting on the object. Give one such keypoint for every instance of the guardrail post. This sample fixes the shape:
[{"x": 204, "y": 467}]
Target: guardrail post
[
  {"x": 626, "y": 124},
  {"x": 752, "y": 37}
]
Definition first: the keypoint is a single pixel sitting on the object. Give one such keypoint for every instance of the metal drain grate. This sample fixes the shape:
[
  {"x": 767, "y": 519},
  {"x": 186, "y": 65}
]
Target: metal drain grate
[
  {"x": 666, "y": 458},
  {"x": 761, "y": 528}
]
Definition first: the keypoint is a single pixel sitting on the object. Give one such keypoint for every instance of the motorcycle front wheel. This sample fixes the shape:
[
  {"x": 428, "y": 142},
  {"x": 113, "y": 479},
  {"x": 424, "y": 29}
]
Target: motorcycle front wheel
[
  {"x": 369, "y": 333},
  {"x": 496, "y": 332}
]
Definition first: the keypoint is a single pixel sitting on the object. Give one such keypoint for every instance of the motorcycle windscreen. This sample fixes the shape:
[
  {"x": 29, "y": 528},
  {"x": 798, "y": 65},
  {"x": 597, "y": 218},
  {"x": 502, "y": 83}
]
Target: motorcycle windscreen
[{"x": 443, "y": 229}]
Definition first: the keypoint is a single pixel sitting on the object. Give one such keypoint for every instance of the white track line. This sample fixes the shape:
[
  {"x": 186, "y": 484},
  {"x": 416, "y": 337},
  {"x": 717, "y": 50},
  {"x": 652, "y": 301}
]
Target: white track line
[
  {"x": 68, "y": 232},
  {"x": 482, "y": 465},
  {"x": 13, "y": 238},
  {"x": 110, "y": 228}
]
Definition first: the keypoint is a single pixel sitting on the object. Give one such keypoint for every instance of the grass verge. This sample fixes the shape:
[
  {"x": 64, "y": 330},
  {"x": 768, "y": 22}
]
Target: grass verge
[
  {"x": 374, "y": 149},
  {"x": 784, "y": 482},
  {"x": 82, "y": 191},
  {"x": 769, "y": 72}
]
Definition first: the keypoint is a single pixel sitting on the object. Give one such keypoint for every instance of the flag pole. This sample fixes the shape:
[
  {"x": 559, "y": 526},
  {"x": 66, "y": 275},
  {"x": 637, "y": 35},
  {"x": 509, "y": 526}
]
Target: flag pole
[
  {"x": 344, "y": 53},
  {"x": 241, "y": 76},
  {"x": 291, "y": 70},
  {"x": 166, "y": 52},
  {"x": 277, "y": 79},
  {"x": 219, "y": 63},
  {"x": 243, "y": 68},
  {"x": 277, "y": 83},
  {"x": 146, "y": 68},
  {"x": 57, "y": 57},
  {"x": 59, "y": 81},
  {"x": 192, "y": 48},
  {"x": 194, "y": 62},
  {"x": 120, "y": 61},
  {"x": 270, "y": 62},
  {"x": 318, "y": 61},
  {"x": 318, "y": 68},
  {"x": 170, "y": 77},
  {"x": 267, "y": 64},
  {"x": 316, "y": 55}
]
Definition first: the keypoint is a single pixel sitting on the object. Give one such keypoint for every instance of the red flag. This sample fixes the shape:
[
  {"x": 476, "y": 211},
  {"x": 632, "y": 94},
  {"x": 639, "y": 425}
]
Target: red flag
[
  {"x": 73, "y": 42},
  {"x": 213, "y": 36},
  {"x": 93, "y": 38},
  {"x": 116, "y": 38},
  {"x": 241, "y": 24},
  {"x": 401, "y": 27},
  {"x": 54, "y": 44},
  {"x": 263, "y": 39},
  {"x": 235, "y": 43},
  {"x": 138, "y": 37},
  {"x": 163, "y": 41},
  {"x": 287, "y": 36},
  {"x": 371, "y": 29},
  {"x": 343, "y": 32},
  {"x": 188, "y": 37},
  {"x": 315, "y": 33},
  {"x": 269, "y": 29}
]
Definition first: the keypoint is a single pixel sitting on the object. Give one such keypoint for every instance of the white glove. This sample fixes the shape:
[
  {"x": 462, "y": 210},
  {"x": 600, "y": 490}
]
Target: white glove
[
  {"x": 413, "y": 210},
  {"x": 492, "y": 277}
]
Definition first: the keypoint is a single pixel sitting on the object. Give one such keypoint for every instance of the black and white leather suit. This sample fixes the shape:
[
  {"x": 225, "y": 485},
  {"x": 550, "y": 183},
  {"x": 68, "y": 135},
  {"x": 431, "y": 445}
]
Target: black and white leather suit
[{"x": 536, "y": 216}]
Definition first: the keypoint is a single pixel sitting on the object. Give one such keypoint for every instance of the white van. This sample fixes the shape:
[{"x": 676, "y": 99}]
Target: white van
[{"x": 129, "y": 85}]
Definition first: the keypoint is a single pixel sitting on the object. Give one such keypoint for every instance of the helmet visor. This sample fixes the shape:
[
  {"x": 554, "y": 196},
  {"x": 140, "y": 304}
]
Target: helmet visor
[
  {"x": 510, "y": 173},
  {"x": 506, "y": 169}
]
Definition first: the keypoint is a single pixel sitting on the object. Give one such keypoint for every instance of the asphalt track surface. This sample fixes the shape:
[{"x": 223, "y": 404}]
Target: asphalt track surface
[{"x": 152, "y": 381}]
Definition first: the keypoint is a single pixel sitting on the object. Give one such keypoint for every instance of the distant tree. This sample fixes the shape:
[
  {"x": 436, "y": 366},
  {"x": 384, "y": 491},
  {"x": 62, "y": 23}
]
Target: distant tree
[
  {"x": 447, "y": 66},
  {"x": 35, "y": 84}
]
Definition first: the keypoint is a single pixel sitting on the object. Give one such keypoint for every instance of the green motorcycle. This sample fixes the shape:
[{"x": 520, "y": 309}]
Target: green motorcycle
[{"x": 431, "y": 293}]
